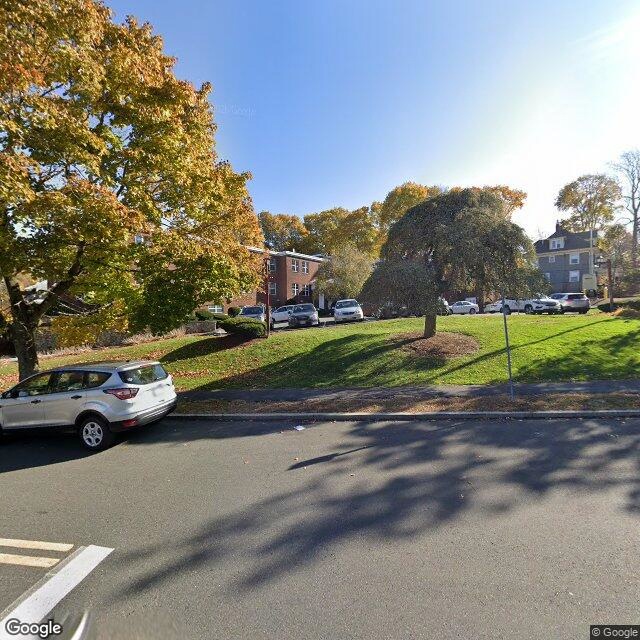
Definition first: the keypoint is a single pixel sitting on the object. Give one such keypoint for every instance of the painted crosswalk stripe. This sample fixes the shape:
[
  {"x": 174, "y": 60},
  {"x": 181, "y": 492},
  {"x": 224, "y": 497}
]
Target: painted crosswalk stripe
[
  {"x": 28, "y": 561},
  {"x": 35, "y": 544},
  {"x": 44, "y": 596}
]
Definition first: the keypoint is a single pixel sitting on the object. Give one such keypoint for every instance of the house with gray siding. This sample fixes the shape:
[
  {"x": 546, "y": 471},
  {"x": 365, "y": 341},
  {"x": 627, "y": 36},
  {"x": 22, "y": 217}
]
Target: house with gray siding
[{"x": 563, "y": 258}]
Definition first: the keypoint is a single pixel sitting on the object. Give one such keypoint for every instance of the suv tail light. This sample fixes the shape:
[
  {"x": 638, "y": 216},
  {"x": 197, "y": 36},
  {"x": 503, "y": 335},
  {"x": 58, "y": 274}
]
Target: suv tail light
[{"x": 125, "y": 393}]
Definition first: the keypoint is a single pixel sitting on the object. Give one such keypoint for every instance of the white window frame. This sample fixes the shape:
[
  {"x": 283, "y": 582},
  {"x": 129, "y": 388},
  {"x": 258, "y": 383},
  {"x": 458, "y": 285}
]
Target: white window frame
[
  {"x": 305, "y": 266},
  {"x": 556, "y": 243},
  {"x": 574, "y": 276},
  {"x": 295, "y": 265},
  {"x": 215, "y": 308},
  {"x": 552, "y": 258},
  {"x": 306, "y": 290},
  {"x": 272, "y": 265},
  {"x": 572, "y": 256},
  {"x": 273, "y": 288},
  {"x": 295, "y": 289}
]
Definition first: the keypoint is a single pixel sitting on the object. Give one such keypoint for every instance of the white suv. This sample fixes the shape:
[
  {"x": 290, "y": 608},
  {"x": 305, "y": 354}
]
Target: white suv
[{"x": 97, "y": 399}]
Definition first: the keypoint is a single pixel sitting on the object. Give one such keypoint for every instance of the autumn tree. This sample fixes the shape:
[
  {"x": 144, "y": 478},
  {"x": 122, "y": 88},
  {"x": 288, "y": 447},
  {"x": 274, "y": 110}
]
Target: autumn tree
[
  {"x": 333, "y": 228},
  {"x": 282, "y": 232},
  {"x": 628, "y": 170},
  {"x": 344, "y": 274},
  {"x": 590, "y": 200},
  {"x": 110, "y": 187},
  {"x": 399, "y": 200},
  {"x": 616, "y": 244},
  {"x": 440, "y": 245}
]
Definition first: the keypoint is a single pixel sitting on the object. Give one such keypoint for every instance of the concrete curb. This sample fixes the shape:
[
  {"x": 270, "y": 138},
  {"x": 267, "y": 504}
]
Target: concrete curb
[{"x": 435, "y": 415}]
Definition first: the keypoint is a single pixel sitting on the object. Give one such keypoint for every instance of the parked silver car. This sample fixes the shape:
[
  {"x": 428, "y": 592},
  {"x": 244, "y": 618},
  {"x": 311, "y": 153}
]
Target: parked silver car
[
  {"x": 256, "y": 313},
  {"x": 97, "y": 400},
  {"x": 577, "y": 302}
]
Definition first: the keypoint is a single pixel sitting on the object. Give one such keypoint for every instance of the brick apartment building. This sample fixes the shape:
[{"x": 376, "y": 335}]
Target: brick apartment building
[{"x": 291, "y": 279}]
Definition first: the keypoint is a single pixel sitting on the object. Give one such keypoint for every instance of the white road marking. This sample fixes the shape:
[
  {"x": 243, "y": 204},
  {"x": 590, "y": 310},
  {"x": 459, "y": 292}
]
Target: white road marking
[
  {"x": 35, "y": 544},
  {"x": 28, "y": 561},
  {"x": 45, "y": 595}
]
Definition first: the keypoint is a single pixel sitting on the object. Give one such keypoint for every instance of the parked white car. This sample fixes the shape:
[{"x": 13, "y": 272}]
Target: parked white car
[
  {"x": 464, "y": 306},
  {"x": 281, "y": 314},
  {"x": 542, "y": 304},
  {"x": 346, "y": 310},
  {"x": 97, "y": 400}
]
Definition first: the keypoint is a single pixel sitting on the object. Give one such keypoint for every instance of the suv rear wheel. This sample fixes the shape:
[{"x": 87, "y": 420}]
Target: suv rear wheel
[
  {"x": 528, "y": 308},
  {"x": 95, "y": 433}
]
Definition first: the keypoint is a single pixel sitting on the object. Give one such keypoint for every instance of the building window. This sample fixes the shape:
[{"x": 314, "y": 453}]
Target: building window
[
  {"x": 216, "y": 308},
  {"x": 552, "y": 258},
  {"x": 547, "y": 277},
  {"x": 574, "y": 258},
  {"x": 273, "y": 289},
  {"x": 305, "y": 266},
  {"x": 272, "y": 265},
  {"x": 295, "y": 265},
  {"x": 306, "y": 290},
  {"x": 295, "y": 289},
  {"x": 574, "y": 276},
  {"x": 556, "y": 243}
]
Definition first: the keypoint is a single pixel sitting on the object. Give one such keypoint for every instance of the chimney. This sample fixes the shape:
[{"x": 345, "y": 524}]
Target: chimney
[{"x": 558, "y": 226}]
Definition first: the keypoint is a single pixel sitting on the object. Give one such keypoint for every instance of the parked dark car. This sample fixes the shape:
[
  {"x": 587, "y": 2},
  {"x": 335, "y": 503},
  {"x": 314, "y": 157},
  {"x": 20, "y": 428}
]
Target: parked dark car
[{"x": 303, "y": 315}]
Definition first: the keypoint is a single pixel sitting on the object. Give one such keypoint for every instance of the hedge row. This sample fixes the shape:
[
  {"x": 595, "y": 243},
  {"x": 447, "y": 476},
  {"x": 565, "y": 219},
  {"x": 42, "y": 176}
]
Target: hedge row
[
  {"x": 626, "y": 304},
  {"x": 246, "y": 327}
]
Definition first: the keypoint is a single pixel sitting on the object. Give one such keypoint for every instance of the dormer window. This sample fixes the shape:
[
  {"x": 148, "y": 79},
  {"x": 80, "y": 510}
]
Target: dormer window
[{"x": 556, "y": 243}]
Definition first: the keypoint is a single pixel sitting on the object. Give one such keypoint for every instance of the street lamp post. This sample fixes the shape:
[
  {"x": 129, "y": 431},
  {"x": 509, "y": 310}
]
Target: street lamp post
[
  {"x": 506, "y": 339},
  {"x": 267, "y": 315},
  {"x": 602, "y": 262}
]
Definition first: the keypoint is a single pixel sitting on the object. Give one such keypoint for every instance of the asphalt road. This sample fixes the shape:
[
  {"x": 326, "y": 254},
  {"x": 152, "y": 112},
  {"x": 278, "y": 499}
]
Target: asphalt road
[{"x": 344, "y": 530}]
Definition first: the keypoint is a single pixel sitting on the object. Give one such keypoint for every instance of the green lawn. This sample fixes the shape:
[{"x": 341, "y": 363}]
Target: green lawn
[{"x": 556, "y": 348}]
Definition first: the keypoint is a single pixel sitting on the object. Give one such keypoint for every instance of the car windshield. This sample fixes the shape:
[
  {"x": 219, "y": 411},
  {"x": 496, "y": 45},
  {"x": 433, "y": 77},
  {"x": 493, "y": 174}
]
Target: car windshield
[
  {"x": 303, "y": 307},
  {"x": 343, "y": 304},
  {"x": 251, "y": 311}
]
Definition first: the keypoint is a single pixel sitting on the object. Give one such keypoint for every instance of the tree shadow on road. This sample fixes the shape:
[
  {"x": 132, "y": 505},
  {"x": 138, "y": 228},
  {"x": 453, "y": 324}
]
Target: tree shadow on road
[{"x": 389, "y": 482}]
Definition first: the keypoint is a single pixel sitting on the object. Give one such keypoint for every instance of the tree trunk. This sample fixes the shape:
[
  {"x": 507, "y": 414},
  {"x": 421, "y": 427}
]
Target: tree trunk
[
  {"x": 480, "y": 296},
  {"x": 430, "y": 326},
  {"x": 23, "y": 337},
  {"x": 22, "y": 330}
]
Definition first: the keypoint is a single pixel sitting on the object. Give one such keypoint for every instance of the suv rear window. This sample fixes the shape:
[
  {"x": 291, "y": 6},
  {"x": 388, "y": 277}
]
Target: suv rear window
[
  {"x": 144, "y": 375},
  {"x": 576, "y": 296}
]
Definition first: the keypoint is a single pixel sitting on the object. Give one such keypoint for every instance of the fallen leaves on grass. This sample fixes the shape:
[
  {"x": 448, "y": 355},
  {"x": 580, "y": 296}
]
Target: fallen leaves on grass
[{"x": 411, "y": 403}]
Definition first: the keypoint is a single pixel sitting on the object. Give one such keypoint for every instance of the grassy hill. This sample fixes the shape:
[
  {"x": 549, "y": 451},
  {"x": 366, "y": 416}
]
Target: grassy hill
[{"x": 556, "y": 348}]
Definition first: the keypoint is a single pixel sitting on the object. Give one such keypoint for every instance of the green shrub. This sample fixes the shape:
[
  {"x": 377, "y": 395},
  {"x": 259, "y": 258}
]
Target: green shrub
[
  {"x": 234, "y": 311},
  {"x": 246, "y": 327},
  {"x": 606, "y": 307}
]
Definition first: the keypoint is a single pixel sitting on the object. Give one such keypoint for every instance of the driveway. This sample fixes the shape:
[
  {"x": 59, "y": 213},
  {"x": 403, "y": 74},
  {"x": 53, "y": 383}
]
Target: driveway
[{"x": 345, "y": 530}]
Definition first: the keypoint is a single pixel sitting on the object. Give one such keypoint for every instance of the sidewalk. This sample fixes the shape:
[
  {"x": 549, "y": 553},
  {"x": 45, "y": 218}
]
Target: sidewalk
[{"x": 418, "y": 393}]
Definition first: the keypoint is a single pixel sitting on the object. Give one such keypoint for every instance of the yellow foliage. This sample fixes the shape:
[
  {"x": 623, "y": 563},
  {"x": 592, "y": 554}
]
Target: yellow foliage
[{"x": 75, "y": 331}]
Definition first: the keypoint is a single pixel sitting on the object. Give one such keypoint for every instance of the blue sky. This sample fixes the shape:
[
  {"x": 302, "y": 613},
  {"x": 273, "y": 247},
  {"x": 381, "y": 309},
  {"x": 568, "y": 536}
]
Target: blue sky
[{"x": 333, "y": 103}]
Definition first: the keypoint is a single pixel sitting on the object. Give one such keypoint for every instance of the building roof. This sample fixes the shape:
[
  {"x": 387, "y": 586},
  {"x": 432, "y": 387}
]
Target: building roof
[
  {"x": 572, "y": 240},
  {"x": 291, "y": 254}
]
